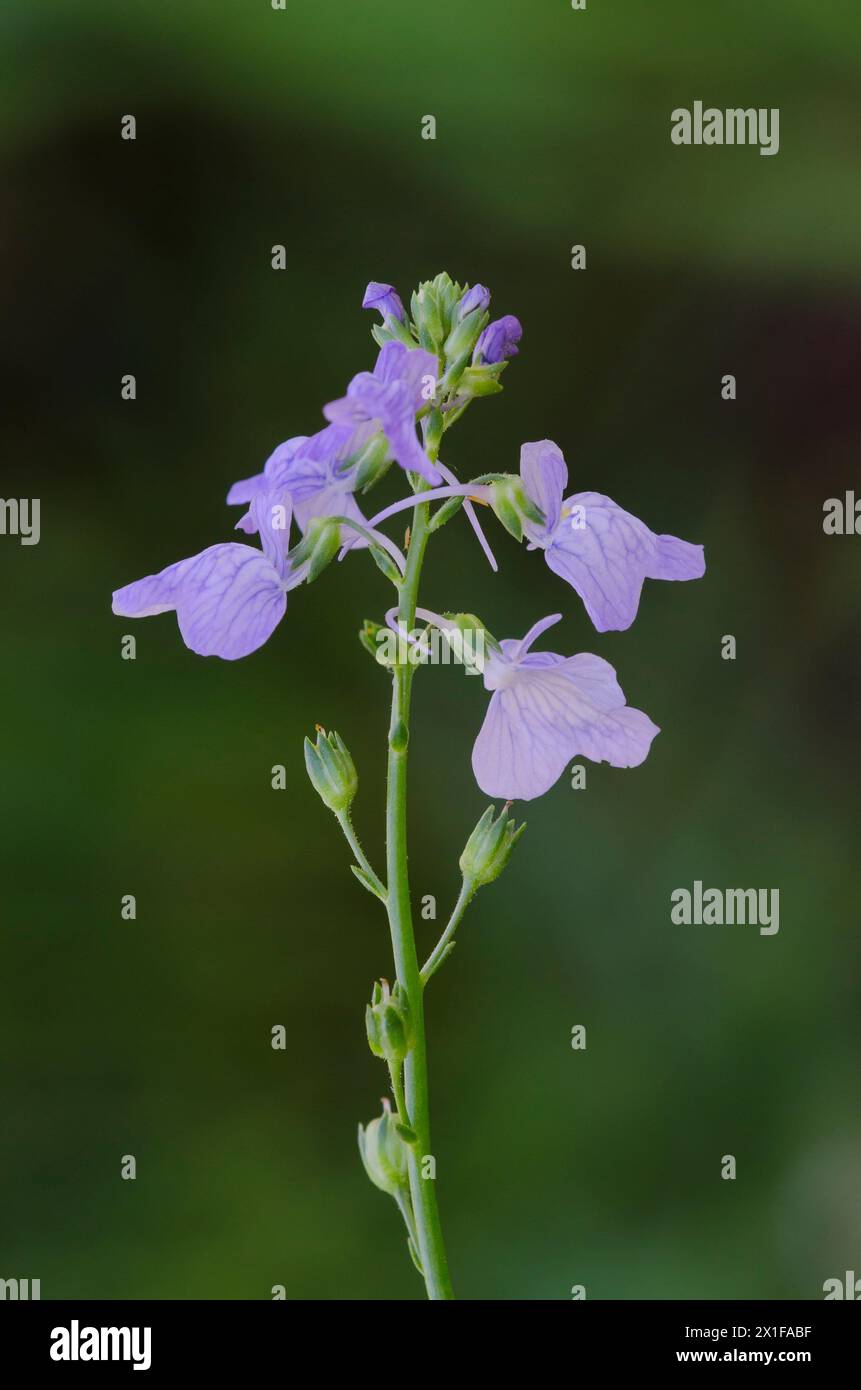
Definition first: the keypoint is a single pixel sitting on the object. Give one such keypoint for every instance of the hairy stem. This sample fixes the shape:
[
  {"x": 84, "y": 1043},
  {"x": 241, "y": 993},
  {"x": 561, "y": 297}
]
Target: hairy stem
[
  {"x": 428, "y": 1230},
  {"x": 346, "y": 824},
  {"x": 441, "y": 949}
]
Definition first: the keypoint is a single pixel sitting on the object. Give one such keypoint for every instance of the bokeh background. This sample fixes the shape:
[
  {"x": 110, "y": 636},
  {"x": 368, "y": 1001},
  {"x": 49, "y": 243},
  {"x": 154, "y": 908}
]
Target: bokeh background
[{"x": 152, "y": 777}]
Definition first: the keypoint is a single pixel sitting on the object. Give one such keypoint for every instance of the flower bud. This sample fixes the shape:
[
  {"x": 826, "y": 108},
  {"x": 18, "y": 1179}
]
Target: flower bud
[
  {"x": 384, "y": 1153},
  {"x": 427, "y": 317},
  {"x": 385, "y": 299},
  {"x": 461, "y": 341},
  {"x": 478, "y": 297},
  {"x": 331, "y": 770},
  {"x": 387, "y": 1020},
  {"x": 489, "y": 847},
  {"x": 499, "y": 340},
  {"x": 513, "y": 505},
  {"x": 434, "y": 308}
]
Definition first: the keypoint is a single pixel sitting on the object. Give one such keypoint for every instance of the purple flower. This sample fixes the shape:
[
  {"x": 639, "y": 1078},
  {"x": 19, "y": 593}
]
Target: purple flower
[
  {"x": 498, "y": 340},
  {"x": 386, "y": 299},
  {"x": 546, "y": 709},
  {"x": 230, "y": 598},
  {"x": 315, "y": 471},
  {"x": 478, "y": 297},
  {"x": 388, "y": 399},
  {"x": 241, "y": 493},
  {"x": 603, "y": 552}
]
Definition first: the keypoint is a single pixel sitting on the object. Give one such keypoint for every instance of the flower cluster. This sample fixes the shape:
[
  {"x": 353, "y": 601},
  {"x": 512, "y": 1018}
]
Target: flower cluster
[
  {"x": 433, "y": 362},
  {"x": 545, "y": 708}
]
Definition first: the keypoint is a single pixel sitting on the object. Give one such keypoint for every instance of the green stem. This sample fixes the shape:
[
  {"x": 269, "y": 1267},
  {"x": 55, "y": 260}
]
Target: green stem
[
  {"x": 407, "y": 1213},
  {"x": 396, "y": 1076},
  {"x": 441, "y": 949},
  {"x": 352, "y": 839},
  {"x": 428, "y": 1230}
]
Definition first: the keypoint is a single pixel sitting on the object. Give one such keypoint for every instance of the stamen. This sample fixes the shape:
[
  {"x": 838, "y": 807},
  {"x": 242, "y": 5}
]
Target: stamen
[
  {"x": 429, "y": 616},
  {"x": 434, "y": 494},
  {"x": 473, "y": 519},
  {"x": 394, "y": 622},
  {"x": 370, "y": 533}
]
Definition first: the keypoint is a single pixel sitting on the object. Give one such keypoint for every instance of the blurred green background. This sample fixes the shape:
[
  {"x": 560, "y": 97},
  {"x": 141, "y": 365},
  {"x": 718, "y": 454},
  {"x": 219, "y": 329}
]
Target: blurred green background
[{"x": 153, "y": 777}]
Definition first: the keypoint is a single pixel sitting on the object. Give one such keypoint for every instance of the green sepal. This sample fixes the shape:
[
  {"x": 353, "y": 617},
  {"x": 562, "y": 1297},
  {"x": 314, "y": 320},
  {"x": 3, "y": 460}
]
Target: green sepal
[
  {"x": 445, "y": 513},
  {"x": 367, "y": 882},
  {"x": 384, "y": 562},
  {"x": 388, "y": 1023},
  {"x": 331, "y": 770},
  {"x": 392, "y": 331},
  {"x": 462, "y": 339},
  {"x": 318, "y": 547},
  {"x": 368, "y": 634},
  {"x": 468, "y": 622},
  {"x": 372, "y": 463},
  {"x": 508, "y": 514},
  {"x": 481, "y": 381},
  {"x": 384, "y": 1153},
  {"x": 489, "y": 847},
  {"x": 513, "y": 505}
]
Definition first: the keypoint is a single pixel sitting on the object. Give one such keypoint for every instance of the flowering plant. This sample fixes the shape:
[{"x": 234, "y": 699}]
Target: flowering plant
[{"x": 544, "y": 707}]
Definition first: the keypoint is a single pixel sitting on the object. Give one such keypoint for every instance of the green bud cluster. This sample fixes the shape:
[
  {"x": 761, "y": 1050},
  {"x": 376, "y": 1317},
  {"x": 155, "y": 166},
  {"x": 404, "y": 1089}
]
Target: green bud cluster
[{"x": 436, "y": 324}]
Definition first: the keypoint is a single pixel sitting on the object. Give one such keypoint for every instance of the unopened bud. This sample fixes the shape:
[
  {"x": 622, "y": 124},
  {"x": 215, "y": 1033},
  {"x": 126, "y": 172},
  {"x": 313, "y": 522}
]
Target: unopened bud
[
  {"x": 460, "y": 343},
  {"x": 478, "y": 297},
  {"x": 489, "y": 847},
  {"x": 427, "y": 317},
  {"x": 331, "y": 770}
]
